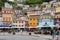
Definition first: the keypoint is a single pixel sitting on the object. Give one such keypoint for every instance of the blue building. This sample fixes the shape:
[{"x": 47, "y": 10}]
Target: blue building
[{"x": 46, "y": 23}]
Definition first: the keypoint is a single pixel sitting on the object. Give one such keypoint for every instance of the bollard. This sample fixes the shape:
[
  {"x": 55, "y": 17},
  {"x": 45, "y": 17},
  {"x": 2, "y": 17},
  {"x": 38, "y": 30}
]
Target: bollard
[
  {"x": 30, "y": 33},
  {"x": 13, "y": 33}
]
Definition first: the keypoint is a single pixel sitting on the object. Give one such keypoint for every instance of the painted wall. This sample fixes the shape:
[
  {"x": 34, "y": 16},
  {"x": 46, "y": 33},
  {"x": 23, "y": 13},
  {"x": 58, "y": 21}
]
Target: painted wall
[
  {"x": 33, "y": 22},
  {"x": 46, "y": 22},
  {"x": 6, "y": 17},
  {"x": 19, "y": 24}
]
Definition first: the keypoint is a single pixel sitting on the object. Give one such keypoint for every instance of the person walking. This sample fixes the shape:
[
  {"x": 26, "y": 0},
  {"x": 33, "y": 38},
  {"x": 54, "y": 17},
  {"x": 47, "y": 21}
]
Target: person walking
[
  {"x": 54, "y": 35},
  {"x": 57, "y": 34},
  {"x": 30, "y": 32},
  {"x": 21, "y": 32}
]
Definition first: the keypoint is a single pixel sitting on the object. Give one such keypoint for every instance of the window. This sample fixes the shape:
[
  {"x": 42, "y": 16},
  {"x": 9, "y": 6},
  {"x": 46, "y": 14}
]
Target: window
[
  {"x": 22, "y": 21},
  {"x": 19, "y": 21},
  {"x": 16, "y": 25},
  {"x": 9, "y": 19},
  {"x": 30, "y": 23},
  {"x": 30, "y": 19},
  {"x": 34, "y": 19},
  {"x": 22, "y": 25},
  {"x": 37, "y": 23},
  {"x": 3, "y": 19},
  {"x": 34, "y": 23},
  {"x": 15, "y": 21},
  {"x": 6, "y": 18},
  {"x": 19, "y": 25}
]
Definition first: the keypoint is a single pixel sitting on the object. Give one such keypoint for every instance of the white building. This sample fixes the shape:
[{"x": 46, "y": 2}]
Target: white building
[
  {"x": 7, "y": 5},
  {"x": 26, "y": 7},
  {"x": 18, "y": 24}
]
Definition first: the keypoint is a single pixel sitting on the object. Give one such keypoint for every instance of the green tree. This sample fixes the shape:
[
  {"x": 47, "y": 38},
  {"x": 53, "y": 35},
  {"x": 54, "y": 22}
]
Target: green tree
[
  {"x": 46, "y": 0},
  {"x": 2, "y": 2},
  {"x": 35, "y": 1}
]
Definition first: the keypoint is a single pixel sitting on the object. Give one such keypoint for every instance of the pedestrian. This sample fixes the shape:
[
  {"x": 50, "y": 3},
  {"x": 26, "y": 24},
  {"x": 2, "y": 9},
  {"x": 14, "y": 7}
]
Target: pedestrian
[
  {"x": 21, "y": 32},
  {"x": 54, "y": 35},
  {"x": 57, "y": 34},
  {"x": 13, "y": 32},
  {"x": 51, "y": 32},
  {"x": 30, "y": 32}
]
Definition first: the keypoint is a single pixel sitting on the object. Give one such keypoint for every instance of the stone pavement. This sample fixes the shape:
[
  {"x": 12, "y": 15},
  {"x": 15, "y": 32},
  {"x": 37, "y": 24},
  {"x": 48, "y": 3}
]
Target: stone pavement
[{"x": 49, "y": 37}]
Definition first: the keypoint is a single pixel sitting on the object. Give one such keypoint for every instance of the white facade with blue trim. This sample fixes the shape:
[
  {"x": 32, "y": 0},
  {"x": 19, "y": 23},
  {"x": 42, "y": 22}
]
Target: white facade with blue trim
[{"x": 46, "y": 23}]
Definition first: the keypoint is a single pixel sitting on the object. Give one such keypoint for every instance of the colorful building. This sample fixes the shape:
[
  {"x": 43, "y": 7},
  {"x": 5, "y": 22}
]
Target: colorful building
[
  {"x": 46, "y": 20},
  {"x": 19, "y": 24},
  {"x": 33, "y": 21},
  {"x": 7, "y": 16}
]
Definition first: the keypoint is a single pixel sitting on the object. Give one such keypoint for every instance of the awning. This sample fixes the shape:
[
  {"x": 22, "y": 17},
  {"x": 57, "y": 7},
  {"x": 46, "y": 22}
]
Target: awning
[
  {"x": 45, "y": 26},
  {"x": 2, "y": 26},
  {"x": 16, "y": 27}
]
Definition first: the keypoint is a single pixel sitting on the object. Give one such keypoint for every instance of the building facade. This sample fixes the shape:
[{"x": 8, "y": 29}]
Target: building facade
[
  {"x": 33, "y": 21},
  {"x": 46, "y": 20},
  {"x": 7, "y": 16},
  {"x": 57, "y": 19},
  {"x": 19, "y": 23}
]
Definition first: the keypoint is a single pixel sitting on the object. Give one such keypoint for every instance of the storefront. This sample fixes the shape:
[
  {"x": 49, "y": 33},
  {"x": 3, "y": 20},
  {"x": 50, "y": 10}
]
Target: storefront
[
  {"x": 4, "y": 28},
  {"x": 46, "y": 23}
]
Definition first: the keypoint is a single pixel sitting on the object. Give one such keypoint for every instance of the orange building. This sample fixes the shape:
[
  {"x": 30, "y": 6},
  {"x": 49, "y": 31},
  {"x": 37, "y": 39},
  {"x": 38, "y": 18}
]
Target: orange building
[
  {"x": 7, "y": 16},
  {"x": 33, "y": 21}
]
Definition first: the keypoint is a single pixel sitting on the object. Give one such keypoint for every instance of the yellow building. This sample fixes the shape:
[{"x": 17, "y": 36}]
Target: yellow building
[{"x": 33, "y": 21}]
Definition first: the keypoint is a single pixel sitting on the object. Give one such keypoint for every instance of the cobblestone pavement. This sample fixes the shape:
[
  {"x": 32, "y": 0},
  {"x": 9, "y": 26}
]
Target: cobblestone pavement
[{"x": 24, "y": 36}]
